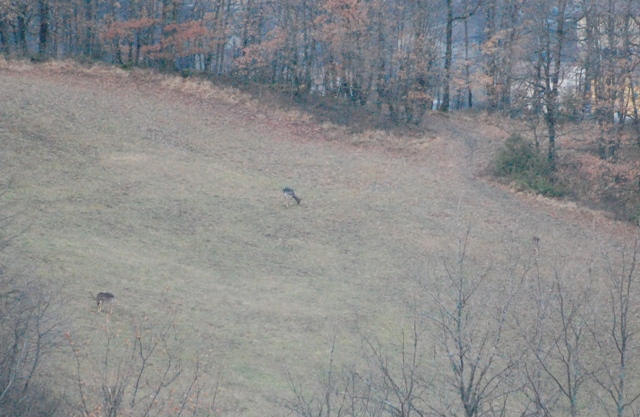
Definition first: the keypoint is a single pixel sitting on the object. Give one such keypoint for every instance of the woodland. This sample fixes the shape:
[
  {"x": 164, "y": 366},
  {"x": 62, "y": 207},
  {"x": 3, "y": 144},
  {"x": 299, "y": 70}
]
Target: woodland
[{"x": 398, "y": 58}]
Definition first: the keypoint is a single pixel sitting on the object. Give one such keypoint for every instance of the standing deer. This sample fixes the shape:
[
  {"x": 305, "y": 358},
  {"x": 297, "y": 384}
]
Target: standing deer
[{"x": 104, "y": 297}]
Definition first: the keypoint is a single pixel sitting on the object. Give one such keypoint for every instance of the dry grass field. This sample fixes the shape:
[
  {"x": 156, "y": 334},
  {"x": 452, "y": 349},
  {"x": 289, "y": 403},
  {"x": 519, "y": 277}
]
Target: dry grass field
[{"x": 168, "y": 191}]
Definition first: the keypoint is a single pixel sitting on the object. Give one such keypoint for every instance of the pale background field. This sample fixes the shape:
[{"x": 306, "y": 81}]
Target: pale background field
[{"x": 161, "y": 189}]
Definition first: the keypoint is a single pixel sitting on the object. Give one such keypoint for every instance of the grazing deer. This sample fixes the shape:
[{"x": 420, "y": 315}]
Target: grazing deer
[
  {"x": 102, "y": 298},
  {"x": 289, "y": 195}
]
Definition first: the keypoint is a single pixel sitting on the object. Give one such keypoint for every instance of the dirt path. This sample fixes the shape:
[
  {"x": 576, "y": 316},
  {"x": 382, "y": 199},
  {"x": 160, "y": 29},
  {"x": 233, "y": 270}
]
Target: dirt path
[{"x": 172, "y": 189}]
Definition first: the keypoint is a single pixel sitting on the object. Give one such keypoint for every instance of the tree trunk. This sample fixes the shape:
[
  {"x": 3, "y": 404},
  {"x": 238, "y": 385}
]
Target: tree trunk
[
  {"x": 4, "y": 37},
  {"x": 467, "y": 66},
  {"x": 220, "y": 48},
  {"x": 492, "y": 71},
  {"x": 21, "y": 29},
  {"x": 551, "y": 126},
  {"x": 555, "y": 81},
  {"x": 43, "y": 9},
  {"x": 448, "y": 58},
  {"x": 88, "y": 23}
]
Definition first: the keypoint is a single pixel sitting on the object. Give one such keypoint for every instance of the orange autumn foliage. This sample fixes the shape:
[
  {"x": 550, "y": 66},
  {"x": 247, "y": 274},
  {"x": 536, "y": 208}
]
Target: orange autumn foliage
[{"x": 180, "y": 40}]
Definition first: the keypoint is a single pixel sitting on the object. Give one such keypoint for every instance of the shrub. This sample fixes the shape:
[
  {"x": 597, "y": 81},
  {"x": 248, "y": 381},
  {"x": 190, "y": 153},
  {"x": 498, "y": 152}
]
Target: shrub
[{"x": 521, "y": 162}]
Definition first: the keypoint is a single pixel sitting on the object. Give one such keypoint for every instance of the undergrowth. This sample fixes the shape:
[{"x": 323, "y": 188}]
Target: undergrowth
[{"x": 520, "y": 162}]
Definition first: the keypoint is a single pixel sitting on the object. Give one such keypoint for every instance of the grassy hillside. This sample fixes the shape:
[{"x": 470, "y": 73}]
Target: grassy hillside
[{"x": 157, "y": 188}]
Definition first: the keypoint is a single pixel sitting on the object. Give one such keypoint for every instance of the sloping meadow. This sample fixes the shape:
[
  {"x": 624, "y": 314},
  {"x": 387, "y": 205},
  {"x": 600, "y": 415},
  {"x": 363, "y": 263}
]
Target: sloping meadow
[{"x": 168, "y": 195}]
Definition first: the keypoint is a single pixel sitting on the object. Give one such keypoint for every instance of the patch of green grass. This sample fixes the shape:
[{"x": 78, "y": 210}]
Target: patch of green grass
[{"x": 521, "y": 162}]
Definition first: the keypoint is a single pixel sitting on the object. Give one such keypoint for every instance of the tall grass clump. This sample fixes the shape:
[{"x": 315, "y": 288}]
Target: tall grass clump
[{"x": 520, "y": 162}]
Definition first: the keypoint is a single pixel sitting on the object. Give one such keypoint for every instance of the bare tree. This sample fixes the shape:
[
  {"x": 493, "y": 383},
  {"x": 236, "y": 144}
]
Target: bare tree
[
  {"x": 390, "y": 381},
  {"x": 468, "y": 11},
  {"x": 550, "y": 20},
  {"x": 556, "y": 337},
  {"x": 469, "y": 326},
  {"x": 615, "y": 336},
  {"x": 30, "y": 331},
  {"x": 139, "y": 375},
  {"x": 339, "y": 391},
  {"x": 503, "y": 29},
  {"x": 400, "y": 381}
]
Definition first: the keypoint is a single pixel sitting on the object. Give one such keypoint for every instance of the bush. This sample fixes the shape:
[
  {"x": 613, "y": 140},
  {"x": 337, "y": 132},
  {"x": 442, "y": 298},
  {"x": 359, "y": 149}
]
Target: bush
[{"x": 521, "y": 162}]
